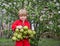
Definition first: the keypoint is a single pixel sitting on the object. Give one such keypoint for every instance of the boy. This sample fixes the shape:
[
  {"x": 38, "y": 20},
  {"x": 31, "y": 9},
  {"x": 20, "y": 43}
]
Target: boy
[{"x": 22, "y": 22}]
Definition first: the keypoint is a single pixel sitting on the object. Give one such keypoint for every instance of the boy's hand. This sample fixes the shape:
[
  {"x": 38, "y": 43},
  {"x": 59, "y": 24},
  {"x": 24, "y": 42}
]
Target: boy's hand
[{"x": 19, "y": 27}]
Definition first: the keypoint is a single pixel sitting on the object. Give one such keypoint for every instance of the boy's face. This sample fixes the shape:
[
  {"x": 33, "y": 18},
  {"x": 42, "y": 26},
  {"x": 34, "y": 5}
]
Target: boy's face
[{"x": 23, "y": 18}]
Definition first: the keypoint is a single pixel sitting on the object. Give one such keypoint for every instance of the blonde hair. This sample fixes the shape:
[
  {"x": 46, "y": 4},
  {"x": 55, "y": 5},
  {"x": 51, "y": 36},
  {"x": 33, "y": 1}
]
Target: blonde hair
[{"x": 22, "y": 12}]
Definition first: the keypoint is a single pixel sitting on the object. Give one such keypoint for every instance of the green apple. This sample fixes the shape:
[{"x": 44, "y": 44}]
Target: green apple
[
  {"x": 29, "y": 32},
  {"x": 25, "y": 32},
  {"x": 20, "y": 33},
  {"x": 14, "y": 38},
  {"x": 24, "y": 36},
  {"x": 31, "y": 36},
  {"x": 34, "y": 32},
  {"x": 25, "y": 28},
  {"x": 21, "y": 30},
  {"x": 19, "y": 36},
  {"x": 17, "y": 30},
  {"x": 15, "y": 34}
]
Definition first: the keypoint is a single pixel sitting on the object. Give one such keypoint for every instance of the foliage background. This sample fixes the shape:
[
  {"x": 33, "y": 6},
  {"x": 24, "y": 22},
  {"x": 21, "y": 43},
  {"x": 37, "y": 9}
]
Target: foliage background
[{"x": 44, "y": 15}]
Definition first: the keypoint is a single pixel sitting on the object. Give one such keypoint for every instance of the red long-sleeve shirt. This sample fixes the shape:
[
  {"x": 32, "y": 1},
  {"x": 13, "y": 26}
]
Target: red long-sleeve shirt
[{"x": 20, "y": 22}]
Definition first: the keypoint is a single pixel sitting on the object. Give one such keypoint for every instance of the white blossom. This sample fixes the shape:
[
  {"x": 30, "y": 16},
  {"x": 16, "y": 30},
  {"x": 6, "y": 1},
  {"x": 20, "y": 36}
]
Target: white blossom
[
  {"x": 58, "y": 25},
  {"x": 47, "y": 26},
  {"x": 54, "y": 0},
  {"x": 3, "y": 11},
  {"x": 14, "y": 2},
  {"x": 50, "y": 22},
  {"x": 58, "y": 11},
  {"x": 57, "y": 4},
  {"x": 10, "y": 3}
]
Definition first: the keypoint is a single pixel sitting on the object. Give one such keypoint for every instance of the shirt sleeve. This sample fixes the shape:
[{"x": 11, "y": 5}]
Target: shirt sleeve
[
  {"x": 29, "y": 26},
  {"x": 14, "y": 24}
]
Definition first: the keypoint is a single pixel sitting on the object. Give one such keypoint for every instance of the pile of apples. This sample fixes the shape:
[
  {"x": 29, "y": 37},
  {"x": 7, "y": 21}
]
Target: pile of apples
[{"x": 22, "y": 32}]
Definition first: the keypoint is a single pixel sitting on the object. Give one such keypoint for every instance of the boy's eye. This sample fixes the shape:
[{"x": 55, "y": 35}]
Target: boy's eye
[{"x": 22, "y": 15}]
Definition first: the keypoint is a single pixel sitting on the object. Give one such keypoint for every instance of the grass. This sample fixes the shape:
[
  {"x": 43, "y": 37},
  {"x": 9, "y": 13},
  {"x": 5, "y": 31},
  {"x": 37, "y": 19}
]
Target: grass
[
  {"x": 42, "y": 42},
  {"x": 6, "y": 42},
  {"x": 49, "y": 42}
]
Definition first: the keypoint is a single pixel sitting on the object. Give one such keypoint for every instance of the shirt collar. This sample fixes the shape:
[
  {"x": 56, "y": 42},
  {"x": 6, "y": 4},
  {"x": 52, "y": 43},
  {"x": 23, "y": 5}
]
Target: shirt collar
[{"x": 22, "y": 21}]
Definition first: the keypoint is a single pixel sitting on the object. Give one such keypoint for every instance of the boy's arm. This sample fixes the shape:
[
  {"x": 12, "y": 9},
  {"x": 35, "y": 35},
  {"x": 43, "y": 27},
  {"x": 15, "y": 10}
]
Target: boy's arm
[{"x": 14, "y": 24}]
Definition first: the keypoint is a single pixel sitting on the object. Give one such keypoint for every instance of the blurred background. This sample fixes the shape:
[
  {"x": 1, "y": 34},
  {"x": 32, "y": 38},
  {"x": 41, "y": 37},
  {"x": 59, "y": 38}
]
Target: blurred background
[{"x": 44, "y": 16}]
